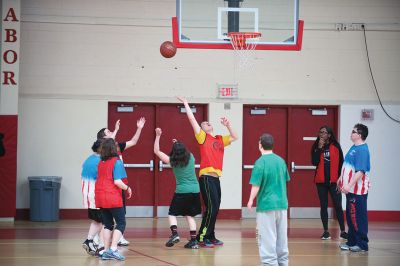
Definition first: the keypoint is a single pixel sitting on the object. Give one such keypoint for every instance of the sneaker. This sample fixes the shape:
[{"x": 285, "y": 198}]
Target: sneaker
[
  {"x": 96, "y": 240},
  {"x": 193, "y": 244},
  {"x": 99, "y": 252},
  {"x": 110, "y": 254},
  {"x": 344, "y": 235},
  {"x": 344, "y": 247},
  {"x": 356, "y": 249},
  {"x": 105, "y": 256},
  {"x": 89, "y": 247},
  {"x": 326, "y": 236},
  {"x": 123, "y": 242},
  {"x": 173, "y": 239},
  {"x": 206, "y": 243},
  {"x": 217, "y": 242}
]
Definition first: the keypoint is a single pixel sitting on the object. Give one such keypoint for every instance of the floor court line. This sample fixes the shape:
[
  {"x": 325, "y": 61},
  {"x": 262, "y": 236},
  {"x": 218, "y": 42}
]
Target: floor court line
[{"x": 151, "y": 257}]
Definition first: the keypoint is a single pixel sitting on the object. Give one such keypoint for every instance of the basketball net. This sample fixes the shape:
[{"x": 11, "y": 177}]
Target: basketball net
[{"x": 244, "y": 44}]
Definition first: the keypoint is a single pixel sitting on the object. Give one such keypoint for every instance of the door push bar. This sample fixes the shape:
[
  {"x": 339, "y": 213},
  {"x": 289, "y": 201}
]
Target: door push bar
[
  {"x": 301, "y": 167},
  {"x": 141, "y": 165},
  {"x": 162, "y": 165}
]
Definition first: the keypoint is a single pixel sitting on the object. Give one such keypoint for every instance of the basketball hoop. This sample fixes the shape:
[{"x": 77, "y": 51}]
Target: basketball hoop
[{"x": 244, "y": 44}]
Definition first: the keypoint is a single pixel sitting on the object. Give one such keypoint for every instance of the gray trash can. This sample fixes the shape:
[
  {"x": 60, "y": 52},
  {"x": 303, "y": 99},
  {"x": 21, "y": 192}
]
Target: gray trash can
[{"x": 44, "y": 198}]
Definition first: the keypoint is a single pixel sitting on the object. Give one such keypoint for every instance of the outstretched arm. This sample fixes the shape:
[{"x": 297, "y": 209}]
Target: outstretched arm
[
  {"x": 189, "y": 113},
  {"x": 132, "y": 142},
  {"x": 163, "y": 157},
  {"x": 227, "y": 124},
  {"x": 114, "y": 133}
]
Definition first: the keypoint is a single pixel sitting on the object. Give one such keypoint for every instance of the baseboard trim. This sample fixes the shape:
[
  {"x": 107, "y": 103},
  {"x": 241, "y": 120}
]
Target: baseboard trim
[
  {"x": 387, "y": 216},
  {"x": 226, "y": 214},
  {"x": 230, "y": 214}
]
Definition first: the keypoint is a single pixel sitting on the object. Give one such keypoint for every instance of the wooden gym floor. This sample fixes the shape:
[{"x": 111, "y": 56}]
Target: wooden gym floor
[{"x": 24, "y": 243}]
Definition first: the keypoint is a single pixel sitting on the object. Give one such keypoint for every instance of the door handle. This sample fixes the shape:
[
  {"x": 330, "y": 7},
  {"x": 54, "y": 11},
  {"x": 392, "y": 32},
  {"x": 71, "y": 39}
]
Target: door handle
[
  {"x": 248, "y": 166},
  {"x": 141, "y": 165},
  {"x": 162, "y": 165},
  {"x": 301, "y": 167}
]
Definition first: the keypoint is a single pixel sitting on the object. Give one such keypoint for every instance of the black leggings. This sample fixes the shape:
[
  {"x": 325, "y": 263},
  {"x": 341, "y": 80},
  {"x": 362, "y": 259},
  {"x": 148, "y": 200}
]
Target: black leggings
[
  {"x": 111, "y": 214},
  {"x": 337, "y": 204}
]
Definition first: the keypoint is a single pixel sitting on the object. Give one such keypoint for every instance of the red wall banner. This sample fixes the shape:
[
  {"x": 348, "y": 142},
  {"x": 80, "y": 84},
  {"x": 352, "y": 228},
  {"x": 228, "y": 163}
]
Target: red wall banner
[{"x": 8, "y": 165}]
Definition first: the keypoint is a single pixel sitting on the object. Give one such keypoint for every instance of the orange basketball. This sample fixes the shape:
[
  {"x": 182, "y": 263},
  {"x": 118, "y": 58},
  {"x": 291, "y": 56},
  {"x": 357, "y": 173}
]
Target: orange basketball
[{"x": 168, "y": 49}]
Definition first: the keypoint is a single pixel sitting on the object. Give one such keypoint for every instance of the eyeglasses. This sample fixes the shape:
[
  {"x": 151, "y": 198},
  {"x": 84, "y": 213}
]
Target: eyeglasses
[{"x": 354, "y": 132}]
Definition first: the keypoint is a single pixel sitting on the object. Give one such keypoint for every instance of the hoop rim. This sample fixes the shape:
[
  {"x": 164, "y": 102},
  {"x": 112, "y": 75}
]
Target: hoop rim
[{"x": 245, "y": 35}]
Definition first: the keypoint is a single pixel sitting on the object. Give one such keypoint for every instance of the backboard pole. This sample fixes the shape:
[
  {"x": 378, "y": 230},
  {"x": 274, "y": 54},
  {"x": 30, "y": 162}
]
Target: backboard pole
[{"x": 233, "y": 17}]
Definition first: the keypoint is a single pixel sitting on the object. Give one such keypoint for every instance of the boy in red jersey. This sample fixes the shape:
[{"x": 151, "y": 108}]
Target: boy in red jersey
[{"x": 212, "y": 154}]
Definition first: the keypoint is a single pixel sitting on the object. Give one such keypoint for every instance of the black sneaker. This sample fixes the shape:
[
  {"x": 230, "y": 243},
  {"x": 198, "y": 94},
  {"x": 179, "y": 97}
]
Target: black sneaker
[
  {"x": 344, "y": 235},
  {"x": 173, "y": 239},
  {"x": 193, "y": 244},
  {"x": 206, "y": 243},
  {"x": 217, "y": 242},
  {"x": 88, "y": 245},
  {"x": 99, "y": 252},
  {"x": 326, "y": 236}
]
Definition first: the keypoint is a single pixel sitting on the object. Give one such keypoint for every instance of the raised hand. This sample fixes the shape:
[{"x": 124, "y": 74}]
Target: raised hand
[
  {"x": 158, "y": 132},
  {"x": 140, "y": 123},
  {"x": 117, "y": 125},
  {"x": 225, "y": 121}
]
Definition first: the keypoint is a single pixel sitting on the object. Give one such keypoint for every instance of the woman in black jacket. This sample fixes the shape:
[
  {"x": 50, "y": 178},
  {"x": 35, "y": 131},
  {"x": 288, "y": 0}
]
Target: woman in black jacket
[{"x": 327, "y": 156}]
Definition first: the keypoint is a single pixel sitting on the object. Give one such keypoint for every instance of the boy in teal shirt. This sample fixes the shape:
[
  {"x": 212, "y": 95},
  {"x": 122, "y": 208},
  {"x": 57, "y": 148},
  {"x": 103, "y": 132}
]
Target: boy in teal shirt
[{"x": 268, "y": 180}]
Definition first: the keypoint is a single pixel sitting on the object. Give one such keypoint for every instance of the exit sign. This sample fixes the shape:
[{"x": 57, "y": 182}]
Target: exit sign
[{"x": 227, "y": 91}]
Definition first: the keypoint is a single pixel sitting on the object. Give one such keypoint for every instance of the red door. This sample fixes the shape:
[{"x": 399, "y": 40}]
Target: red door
[
  {"x": 138, "y": 160},
  {"x": 175, "y": 125},
  {"x": 294, "y": 130},
  {"x": 153, "y": 186},
  {"x": 304, "y": 125},
  {"x": 256, "y": 121}
]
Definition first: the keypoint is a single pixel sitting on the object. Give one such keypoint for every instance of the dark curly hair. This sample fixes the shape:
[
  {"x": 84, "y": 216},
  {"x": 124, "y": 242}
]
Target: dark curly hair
[
  {"x": 179, "y": 155},
  {"x": 332, "y": 138},
  {"x": 108, "y": 149}
]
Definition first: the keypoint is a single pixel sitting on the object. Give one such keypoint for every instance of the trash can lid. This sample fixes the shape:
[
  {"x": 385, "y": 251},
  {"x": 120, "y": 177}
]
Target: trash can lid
[{"x": 45, "y": 178}]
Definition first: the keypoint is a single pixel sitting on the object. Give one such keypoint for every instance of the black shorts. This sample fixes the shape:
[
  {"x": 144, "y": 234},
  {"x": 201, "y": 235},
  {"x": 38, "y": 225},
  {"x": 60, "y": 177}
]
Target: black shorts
[
  {"x": 95, "y": 215},
  {"x": 185, "y": 204}
]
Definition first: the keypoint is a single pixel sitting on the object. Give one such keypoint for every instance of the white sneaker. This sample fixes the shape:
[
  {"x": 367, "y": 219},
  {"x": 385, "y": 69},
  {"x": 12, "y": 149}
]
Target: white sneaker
[
  {"x": 96, "y": 240},
  {"x": 123, "y": 242}
]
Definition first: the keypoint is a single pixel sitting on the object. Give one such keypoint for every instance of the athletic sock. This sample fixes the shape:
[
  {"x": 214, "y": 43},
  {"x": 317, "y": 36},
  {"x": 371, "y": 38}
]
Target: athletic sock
[
  {"x": 174, "y": 229},
  {"x": 193, "y": 235}
]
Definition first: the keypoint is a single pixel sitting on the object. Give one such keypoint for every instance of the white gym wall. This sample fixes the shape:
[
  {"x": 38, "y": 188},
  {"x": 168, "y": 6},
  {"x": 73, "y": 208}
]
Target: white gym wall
[{"x": 75, "y": 56}]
